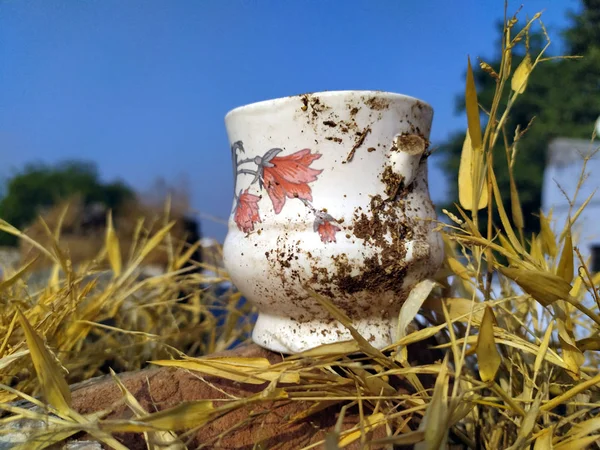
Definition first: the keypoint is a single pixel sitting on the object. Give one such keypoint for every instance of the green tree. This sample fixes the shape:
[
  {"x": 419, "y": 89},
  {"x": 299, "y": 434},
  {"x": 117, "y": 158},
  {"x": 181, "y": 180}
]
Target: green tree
[
  {"x": 561, "y": 99},
  {"x": 40, "y": 186}
]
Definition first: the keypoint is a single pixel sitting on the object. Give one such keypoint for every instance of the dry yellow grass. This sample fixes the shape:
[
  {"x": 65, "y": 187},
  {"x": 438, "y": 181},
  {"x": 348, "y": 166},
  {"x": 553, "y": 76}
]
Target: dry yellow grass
[
  {"x": 519, "y": 370},
  {"x": 137, "y": 218}
]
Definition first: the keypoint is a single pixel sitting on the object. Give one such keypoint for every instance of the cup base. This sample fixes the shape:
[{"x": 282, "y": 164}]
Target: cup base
[{"x": 288, "y": 336}]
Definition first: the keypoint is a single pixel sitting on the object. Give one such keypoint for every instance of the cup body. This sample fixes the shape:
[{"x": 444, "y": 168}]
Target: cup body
[{"x": 331, "y": 197}]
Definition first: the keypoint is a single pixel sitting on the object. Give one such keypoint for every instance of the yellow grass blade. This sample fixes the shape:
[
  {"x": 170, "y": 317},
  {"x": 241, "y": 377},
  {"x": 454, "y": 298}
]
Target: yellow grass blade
[
  {"x": 185, "y": 257},
  {"x": 570, "y": 222},
  {"x": 513, "y": 341},
  {"x": 505, "y": 243},
  {"x": 373, "y": 384},
  {"x": 9, "y": 359},
  {"x": 487, "y": 354},
  {"x": 339, "y": 315},
  {"x": 409, "y": 438},
  {"x": 472, "y": 108},
  {"x": 8, "y": 228},
  {"x": 585, "y": 428},
  {"x": 156, "y": 240},
  {"x": 112, "y": 247},
  {"x": 566, "y": 396},
  {"x": 515, "y": 204},
  {"x": 371, "y": 422},
  {"x": 45, "y": 439},
  {"x": 240, "y": 373},
  {"x": 155, "y": 440},
  {"x": 336, "y": 348},
  {"x": 527, "y": 425},
  {"x": 5, "y": 284},
  {"x": 183, "y": 416},
  {"x": 55, "y": 388},
  {"x": 458, "y": 269}
]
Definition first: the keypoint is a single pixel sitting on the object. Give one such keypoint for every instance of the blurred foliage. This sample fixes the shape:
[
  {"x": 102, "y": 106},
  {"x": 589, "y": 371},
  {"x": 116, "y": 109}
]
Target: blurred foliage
[
  {"x": 561, "y": 100},
  {"x": 40, "y": 186}
]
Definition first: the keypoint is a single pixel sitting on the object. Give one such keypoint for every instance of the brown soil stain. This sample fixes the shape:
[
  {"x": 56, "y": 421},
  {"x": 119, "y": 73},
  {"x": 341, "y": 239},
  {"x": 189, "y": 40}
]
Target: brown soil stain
[
  {"x": 377, "y": 103},
  {"x": 413, "y": 144}
]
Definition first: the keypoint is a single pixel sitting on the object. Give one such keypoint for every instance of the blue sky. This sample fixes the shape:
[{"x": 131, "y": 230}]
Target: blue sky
[{"x": 141, "y": 86}]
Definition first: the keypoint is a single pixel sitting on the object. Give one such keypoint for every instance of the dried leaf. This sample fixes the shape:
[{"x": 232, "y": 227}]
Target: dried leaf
[
  {"x": 436, "y": 416},
  {"x": 9, "y": 359},
  {"x": 585, "y": 428},
  {"x": 157, "y": 439},
  {"x": 536, "y": 251},
  {"x": 515, "y": 204},
  {"x": 575, "y": 390},
  {"x": 458, "y": 308},
  {"x": 55, "y": 388},
  {"x": 419, "y": 335},
  {"x": 374, "y": 384},
  {"x": 469, "y": 162},
  {"x": 503, "y": 217},
  {"x": 521, "y": 75},
  {"x": 527, "y": 424},
  {"x": 488, "y": 357},
  {"x": 576, "y": 290},
  {"x": 578, "y": 444},
  {"x": 412, "y": 437},
  {"x": 472, "y": 108},
  {"x": 548, "y": 238},
  {"x": 411, "y": 308},
  {"x": 543, "y": 350},
  {"x": 458, "y": 269},
  {"x": 545, "y": 287},
  {"x": 566, "y": 268},
  {"x": 591, "y": 343},
  {"x": 505, "y": 243},
  {"x": 544, "y": 440},
  {"x": 571, "y": 354}
]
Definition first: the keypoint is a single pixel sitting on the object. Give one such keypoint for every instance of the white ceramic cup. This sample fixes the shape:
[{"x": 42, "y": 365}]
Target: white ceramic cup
[{"x": 331, "y": 196}]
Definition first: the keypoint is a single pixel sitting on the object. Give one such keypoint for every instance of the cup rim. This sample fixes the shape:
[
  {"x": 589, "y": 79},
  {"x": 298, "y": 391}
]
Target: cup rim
[{"x": 334, "y": 93}]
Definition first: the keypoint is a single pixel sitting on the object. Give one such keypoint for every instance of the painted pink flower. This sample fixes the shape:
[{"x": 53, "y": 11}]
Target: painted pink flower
[
  {"x": 326, "y": 227},
  {"x": 288, "y": 176},
  {"x": 246, "y": 212}
]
